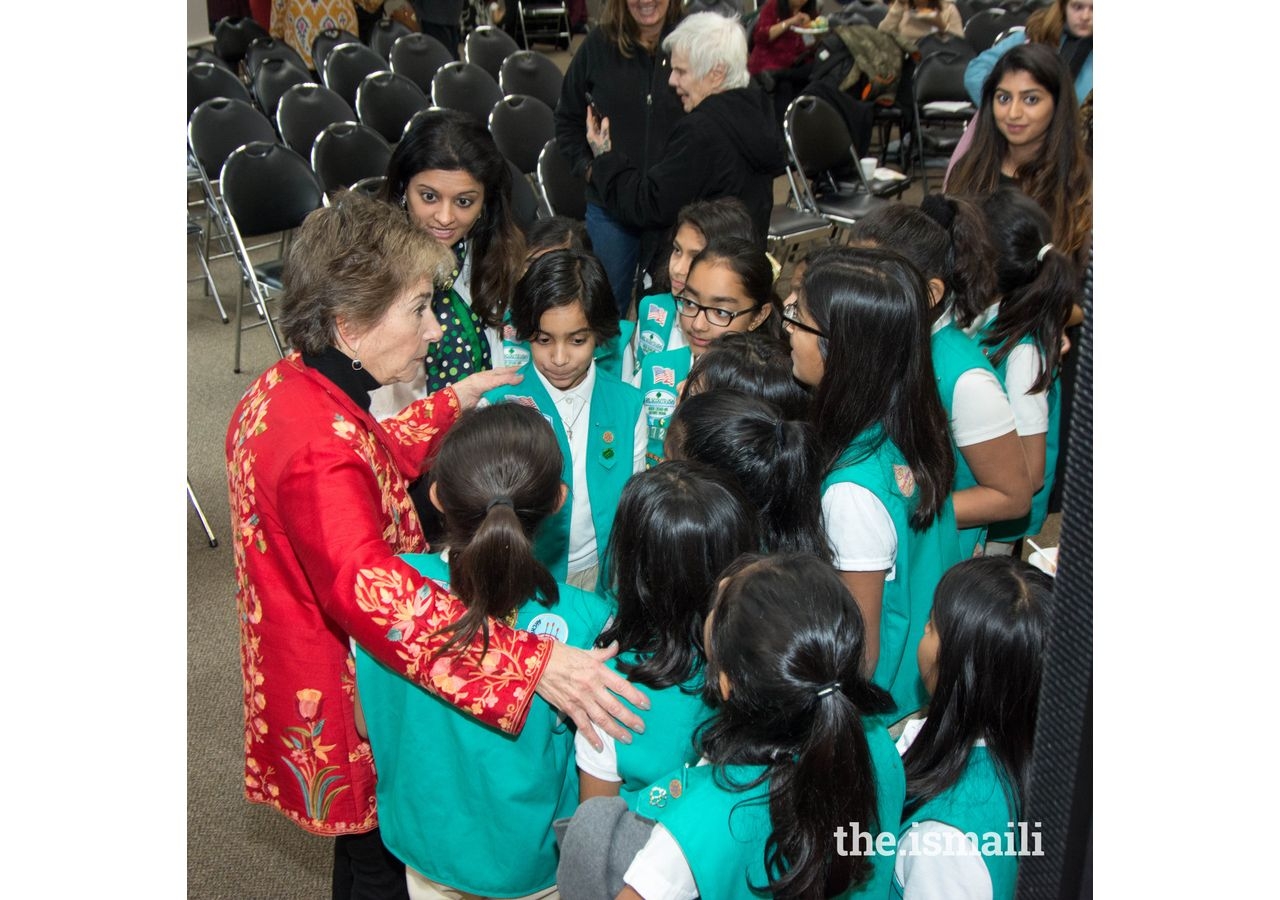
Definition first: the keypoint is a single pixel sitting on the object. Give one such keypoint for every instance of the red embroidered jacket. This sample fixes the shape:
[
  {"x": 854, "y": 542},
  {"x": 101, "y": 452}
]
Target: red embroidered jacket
[{"x": 319, "y": 508}]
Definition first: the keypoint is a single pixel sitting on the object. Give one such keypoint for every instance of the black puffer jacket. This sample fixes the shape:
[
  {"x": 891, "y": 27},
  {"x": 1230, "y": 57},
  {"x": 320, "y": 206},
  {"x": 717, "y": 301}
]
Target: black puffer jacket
[
  {"x": 729, "y": 146},
  {"x": 632, "y": 93}
]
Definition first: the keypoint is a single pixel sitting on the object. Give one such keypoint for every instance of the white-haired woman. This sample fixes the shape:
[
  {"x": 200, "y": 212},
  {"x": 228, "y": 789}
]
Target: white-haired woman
[{"x": 728, "y": 145}]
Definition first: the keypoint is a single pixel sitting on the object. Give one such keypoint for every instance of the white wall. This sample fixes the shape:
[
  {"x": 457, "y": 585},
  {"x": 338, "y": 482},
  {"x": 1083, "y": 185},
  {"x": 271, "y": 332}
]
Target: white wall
[{"x": 197, "y": 22}]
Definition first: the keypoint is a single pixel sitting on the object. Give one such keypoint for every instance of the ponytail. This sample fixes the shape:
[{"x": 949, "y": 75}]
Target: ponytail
[
  {"x": 972, "y": 261},
  {"x": 496, "y": 478},
  {"x": 796, "y": 704},
  {"x": 1040, "y": 309}
]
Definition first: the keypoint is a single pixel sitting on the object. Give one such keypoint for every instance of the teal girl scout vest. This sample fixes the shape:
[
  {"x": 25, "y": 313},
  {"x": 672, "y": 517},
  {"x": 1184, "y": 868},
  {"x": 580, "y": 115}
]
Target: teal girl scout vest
[
  {"x": 722, "y": 832},
  {"x": 462, "y": 803},
  {"x": 615, "y": 407},
  {"x": 875, "y": 463},
  {"x": 1033, "y": 521},
  {"x": 953, "y": 355},
  {"x": 608, "y": 356}
]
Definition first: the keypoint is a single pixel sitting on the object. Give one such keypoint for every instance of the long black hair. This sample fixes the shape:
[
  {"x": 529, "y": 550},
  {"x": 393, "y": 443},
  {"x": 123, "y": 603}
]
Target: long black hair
[
  {"x": 754, "y": 362},
  {"x": 946, "y": 238},
  {"x": 788, "y": 636},
  {"x": 452, "y": 141},
  {"x": 677, "y": 527},
  {"x": 776, "y": 462},
  {"x": 496, "y": 478},
  {"x": 873, "y": 306},
  {"x": 1036, "y": 283},
  {"x": 990, "y": 616}
]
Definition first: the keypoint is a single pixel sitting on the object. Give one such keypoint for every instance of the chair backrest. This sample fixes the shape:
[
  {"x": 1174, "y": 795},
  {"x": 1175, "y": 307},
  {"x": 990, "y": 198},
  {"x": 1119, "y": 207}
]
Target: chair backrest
[
  {"x": 371, "y": 186},
  {"x": 945, "y": 40},
  {"x": 266, "y": 48},
  {"x": 524, "y": 201},
  {"x": 324, "y": 42},
  {"x": 232, "y": 36},
  {"x": 274, "y": 77},
  {"x": 418, "y": 57},
  {"x": 872, "y": 10},
  {"x": 467, "y": 88},
  {"x": 386, "y": 101},
  {"x": 345, "y": 152},
  {"x": 487, "y": 47},
  {"x": 817, "y": 138},
  {"x": 346, "y": 66},
  {"x": 267, "y": 188},
  {"x": 564, "y": 192},
  {"x": 384, "y": 35},
  {"x": 1008, "y": 32},
  {"x": 220, "y": 125},
  {"x": 970, "y": 8},
  {"x": 521, "y": 126},
  {"x": 204, "y": 54},
  {"x": 303, "y": 112},
  {"x": 981, "y": 30},
  {"x": 940, "y": 76},
  {"x": 532, "y": 73},
  {"x": 206, "y": 81}
]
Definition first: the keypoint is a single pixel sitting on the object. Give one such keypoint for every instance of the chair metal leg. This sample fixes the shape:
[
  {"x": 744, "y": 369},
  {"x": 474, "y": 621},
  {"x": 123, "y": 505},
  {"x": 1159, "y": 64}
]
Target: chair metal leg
[{"x": 204, "y": 522}]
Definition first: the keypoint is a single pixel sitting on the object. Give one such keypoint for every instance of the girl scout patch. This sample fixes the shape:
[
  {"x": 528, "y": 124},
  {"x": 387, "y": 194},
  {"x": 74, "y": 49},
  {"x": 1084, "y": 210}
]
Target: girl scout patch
[
  {"x": 551, "y": 625},
  {"x": 906, "y": 480}
]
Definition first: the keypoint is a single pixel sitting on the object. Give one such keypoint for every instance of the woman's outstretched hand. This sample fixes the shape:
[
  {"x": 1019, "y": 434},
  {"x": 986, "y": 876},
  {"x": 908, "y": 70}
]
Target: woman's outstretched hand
[
  {"x": 580, "y": 685},
  {"x": 598, "y": 136},
  {"x": 470, "y": 389}
]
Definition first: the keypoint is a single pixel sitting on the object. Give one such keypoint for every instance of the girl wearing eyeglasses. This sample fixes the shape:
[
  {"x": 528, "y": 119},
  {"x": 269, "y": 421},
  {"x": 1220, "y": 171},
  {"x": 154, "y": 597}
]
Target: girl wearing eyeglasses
[
  {"x": 860, "y": 337},
  {"x": 729, "y": 288}
]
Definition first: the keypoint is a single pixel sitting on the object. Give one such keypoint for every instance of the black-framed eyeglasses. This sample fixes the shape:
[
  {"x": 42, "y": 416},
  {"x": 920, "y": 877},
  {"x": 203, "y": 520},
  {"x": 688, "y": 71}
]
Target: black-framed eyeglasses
[
  {"x": 721, "y": 318},
  {"x": 791, "y": 316}
]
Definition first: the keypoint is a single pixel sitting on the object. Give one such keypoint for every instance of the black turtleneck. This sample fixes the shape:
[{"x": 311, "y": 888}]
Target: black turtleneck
[{"x": 336, "y": 366}]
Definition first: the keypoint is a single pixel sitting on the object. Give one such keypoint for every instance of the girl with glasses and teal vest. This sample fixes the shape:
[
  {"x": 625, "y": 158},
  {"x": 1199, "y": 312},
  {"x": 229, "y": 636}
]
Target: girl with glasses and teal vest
[
  {"x": 696, "y": 223},
  {"x": 729, "y": 288},
  {"x": 795, "y": 758},
  {"x": 466, "y": 807},
  {"x": 564, "y": 308},
  {"x": 968, "y": 761},
  {"x": 679, "y": 525},
  {"x": 946, "y": 239},
  {"x": 860, "y": 336},
  {"x": 615, "y": 355},
  {"x": 1022, "y": 335}
]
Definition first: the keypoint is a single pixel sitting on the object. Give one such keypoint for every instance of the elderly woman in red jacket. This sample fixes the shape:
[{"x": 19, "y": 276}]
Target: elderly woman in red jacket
[{"x": 320, "y": 509}]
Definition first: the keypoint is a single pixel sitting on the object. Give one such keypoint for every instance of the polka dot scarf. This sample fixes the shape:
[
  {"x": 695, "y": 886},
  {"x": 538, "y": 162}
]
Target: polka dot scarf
[{"x": 464, "y": 348}]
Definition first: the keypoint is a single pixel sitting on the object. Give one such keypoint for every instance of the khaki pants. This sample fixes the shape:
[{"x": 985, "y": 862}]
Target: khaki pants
[{"x": 423, "y": 888}]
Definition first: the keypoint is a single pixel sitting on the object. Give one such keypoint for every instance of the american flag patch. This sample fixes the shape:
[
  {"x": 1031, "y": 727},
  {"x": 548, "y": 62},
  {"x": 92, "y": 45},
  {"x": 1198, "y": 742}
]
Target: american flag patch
[
  {"x": 523, "y": 401},
  {"x": 657, "y": 314},
  {"x": 664, "y": 376},
  {"x": 509, "y": 332}
]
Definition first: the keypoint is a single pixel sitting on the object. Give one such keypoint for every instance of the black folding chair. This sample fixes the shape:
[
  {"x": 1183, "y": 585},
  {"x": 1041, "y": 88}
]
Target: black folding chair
[
  {"x": 546, "y": 21},
  {"x": 418, "y": 57},
  {"x": 532, "y": 73},
  {"x": 345, "y": 152},
  {"x": 981, "y": 30},
  {"x": 232, "y": 36},
  {"x": 267, "y": 48},
  {"x": 384, "y": 35},
  {"x": 324, "y": 42},
  {"x": 564, "y": 193},
  {"x": 273, "y": 77},
  {"x": 386, "y": 101},
  {"x": 303, "y": 112},
  {"x": 526, "y": 205},
  {"x": 941, "y": 108},
  {"x": 346, "y": 67},
  {"x": 467, "y": 88},
  {"x": 487, "y": 47},
  {"x": 521, "y": 127},
  {"x": 206, "y": 80},
  {"x": 267, "y": 189}
]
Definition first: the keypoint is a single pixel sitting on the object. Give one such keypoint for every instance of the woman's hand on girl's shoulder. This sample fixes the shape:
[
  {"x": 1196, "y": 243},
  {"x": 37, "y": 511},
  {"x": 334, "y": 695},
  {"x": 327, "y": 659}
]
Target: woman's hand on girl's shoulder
[
  {"x": 580, "y": 685},
  {"x": 470, "y": 389}
]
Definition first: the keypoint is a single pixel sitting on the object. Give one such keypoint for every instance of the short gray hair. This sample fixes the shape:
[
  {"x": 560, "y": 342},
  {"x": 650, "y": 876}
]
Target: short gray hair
[{"x": 709, "y": 40}]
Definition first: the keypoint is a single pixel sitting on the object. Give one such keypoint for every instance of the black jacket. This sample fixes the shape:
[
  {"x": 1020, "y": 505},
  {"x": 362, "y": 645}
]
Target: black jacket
[
  {"x": 633, "y": 94},
  {"x": 730, "y": 145}
]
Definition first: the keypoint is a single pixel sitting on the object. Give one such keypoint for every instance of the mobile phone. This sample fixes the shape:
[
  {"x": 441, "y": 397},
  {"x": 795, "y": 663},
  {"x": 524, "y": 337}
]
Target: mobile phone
[{"x": 595, "y": 111}]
